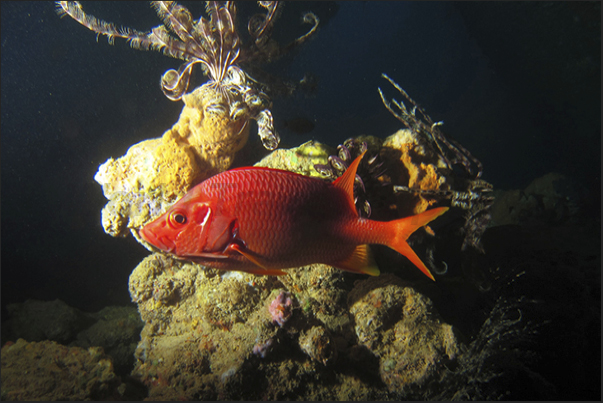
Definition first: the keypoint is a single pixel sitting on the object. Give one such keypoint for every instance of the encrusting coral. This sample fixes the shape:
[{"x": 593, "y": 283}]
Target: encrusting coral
[
  {"x": 155, "y": 173},
  {"x": 412, "y": 163},
  {"x": 222, "y": 335}
]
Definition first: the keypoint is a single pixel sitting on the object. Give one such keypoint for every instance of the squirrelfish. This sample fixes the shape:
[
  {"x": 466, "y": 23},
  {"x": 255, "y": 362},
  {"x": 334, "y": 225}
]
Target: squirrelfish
[{"x": 263, "y": 220}]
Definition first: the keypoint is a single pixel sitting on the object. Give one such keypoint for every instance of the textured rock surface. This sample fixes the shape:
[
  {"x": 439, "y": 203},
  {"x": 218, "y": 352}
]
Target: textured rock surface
[
  {"x": 210, "y": 334},
  {"x": 552, "y": 198},
  {"x": 400, "y": 327},
  {"x": 115, "y": 329},
  {"x": 49, "y": 371},
  {"x": 413, "y": 165},
  {"x": 36, "y": 320},
  {"x": 300, "y": 159},
  {"x": 155, "y": 173}
]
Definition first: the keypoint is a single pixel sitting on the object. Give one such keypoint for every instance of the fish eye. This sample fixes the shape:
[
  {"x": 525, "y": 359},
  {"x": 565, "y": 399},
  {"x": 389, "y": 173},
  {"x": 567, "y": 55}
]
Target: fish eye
[{"x": 177, "y": 219}]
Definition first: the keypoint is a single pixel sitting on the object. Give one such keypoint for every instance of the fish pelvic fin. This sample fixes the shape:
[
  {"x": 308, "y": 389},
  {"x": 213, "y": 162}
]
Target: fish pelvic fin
[
  {"x": 360, "y": 261},
  {"x": 262, "y": 268},
  {"x": 346, "y": 182},
  {"x": 402, "y": 229}
]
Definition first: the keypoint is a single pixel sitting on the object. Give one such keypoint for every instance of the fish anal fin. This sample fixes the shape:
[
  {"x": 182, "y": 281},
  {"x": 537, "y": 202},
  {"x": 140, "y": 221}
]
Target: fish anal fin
[
  {"x": 360, "y": 261},
  {"x": 261, "y": 269},
  {"x": 346, "y": 181}
]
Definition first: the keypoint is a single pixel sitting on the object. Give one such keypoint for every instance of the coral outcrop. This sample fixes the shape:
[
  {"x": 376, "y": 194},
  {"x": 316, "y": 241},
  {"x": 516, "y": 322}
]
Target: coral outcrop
[
  {"x": 415, "y": 166},
  {"x": 35, "y": 320},
  {"x": 212, "y": 335},
  {"x": 399, "y": 325},
  {"x": 300, "y": 159},
  {"x": 155, "y": 173},
  {"x": 222, "y": 335},
  {"x": 552, "y": 198},
  {"x": 49, "y": 371},
  {"x": 214, "y": 123},
  {"x": 115, "y": 329}
]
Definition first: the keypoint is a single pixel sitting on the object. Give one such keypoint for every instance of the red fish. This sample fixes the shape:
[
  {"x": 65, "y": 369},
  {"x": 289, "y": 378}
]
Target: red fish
[{"x": 262, "y": 220}]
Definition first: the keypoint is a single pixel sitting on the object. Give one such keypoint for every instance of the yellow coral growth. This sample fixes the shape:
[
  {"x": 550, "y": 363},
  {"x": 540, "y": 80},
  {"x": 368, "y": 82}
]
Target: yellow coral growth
[
  {"x": 418, "y": 170},
  {"x": 159, "y": 170},
  {"x": 154, "y": 173},
  {"x": 206, "y": 125},
  {"x": 177, "y": 168}
]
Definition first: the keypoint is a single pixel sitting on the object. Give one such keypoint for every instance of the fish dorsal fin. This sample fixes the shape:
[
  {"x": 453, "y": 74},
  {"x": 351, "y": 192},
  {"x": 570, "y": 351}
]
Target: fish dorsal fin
[
  {"x": 346, "y": 181},
  {"x": 360, "y": 261}
]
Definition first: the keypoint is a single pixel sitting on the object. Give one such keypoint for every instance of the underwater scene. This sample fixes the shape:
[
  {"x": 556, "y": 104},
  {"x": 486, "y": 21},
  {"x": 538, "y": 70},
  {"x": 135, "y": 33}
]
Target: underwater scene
[{"x": 301, "y": 201}]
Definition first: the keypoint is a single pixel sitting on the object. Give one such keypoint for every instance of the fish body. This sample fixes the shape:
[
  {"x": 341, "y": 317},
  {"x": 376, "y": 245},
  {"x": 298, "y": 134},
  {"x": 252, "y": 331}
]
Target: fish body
[{"x": 263, "y": 220}]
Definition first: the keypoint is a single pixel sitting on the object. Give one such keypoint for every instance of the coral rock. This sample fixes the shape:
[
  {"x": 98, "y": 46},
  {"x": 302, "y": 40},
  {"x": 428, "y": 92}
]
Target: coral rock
[
  {"x": 401, "y": 327},
  {"x": 300, "y": 159},
  {"x": 56, "y": 372},
  {"x": 552, "y": 198},
  {"x": 155, "y": 173},
  {"x": 211, "y": 131},
  {"x": 412, "y": 164},
  {"x": 145, "y": 181},
  {"x": 317, "y": 343},
  {"x": 36, "y": 320}
]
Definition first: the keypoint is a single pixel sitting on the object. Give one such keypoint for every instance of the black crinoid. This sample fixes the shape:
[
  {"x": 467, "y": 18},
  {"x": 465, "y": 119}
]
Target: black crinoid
[
  {"x": 370, "y": 182},
  {"x": 469, "y": 192}
]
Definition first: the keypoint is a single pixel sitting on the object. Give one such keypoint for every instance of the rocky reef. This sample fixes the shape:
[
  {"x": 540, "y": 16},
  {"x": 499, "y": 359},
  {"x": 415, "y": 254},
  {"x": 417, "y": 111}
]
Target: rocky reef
[
  {"x": 222, "y": 335},
  {"x": 49, "y": 371},
  {"x": 52, "y": 351},
  {"x": 116, "y": 330},
  {"x": 321, "y": 333},
  {"x": 213, "y": 335},
  {"x": 315, "y": 333},
  {"x": 552, "y": 198}
]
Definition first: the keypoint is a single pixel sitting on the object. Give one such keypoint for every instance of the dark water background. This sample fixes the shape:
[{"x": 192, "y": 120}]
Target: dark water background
[{"x": 518, "y": 84}]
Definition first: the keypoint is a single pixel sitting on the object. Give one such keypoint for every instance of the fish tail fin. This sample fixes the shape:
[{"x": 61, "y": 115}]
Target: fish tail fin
[{"x": 401, "y": 229}]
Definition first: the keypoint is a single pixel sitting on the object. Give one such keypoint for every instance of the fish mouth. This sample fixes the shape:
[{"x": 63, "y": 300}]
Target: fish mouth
[{"x": 159, "y": 242}]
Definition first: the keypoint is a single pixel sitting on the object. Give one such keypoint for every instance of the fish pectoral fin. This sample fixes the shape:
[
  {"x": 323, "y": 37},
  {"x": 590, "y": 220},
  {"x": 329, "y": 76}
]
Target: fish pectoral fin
[
  {"x": 262, "y": 267},
  {"x": 360, "y": 261},
  {"x": 207, "y": 255}
]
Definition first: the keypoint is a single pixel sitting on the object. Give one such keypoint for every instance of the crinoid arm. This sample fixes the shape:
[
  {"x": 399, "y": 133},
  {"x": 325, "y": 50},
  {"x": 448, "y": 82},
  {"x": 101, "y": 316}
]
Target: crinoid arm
[
  {"x": 307, "y": 18},
  {"x": 269, "y": 136},
  {"x": 74, "y": 10},
  {"x": 156, "y": 39},
  {"x": 260, "y": 25},
  {"x": 424, "y": 126},
  {"x": 213, "y": 42},
  {"x": 260, "y": 29}
]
